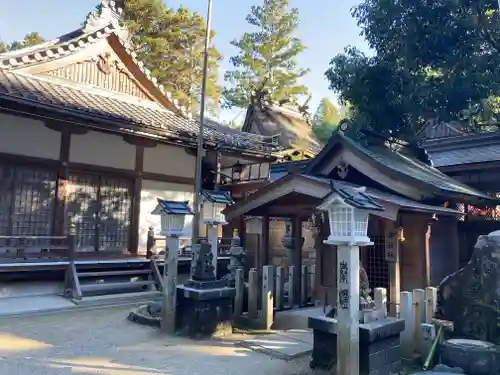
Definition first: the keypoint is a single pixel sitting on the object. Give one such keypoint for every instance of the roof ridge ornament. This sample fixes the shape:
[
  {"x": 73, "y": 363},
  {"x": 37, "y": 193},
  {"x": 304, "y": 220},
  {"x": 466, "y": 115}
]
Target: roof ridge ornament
[{"x": 106, "y": 13}]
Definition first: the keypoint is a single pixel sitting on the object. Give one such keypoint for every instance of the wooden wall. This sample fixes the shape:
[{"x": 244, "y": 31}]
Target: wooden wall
[{"x": 153, "y": 170}]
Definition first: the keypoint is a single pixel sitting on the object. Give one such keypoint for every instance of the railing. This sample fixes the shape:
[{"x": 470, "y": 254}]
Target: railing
[
  {"x": 245, "y": 173},
  {"x": 25, "y": 248}
]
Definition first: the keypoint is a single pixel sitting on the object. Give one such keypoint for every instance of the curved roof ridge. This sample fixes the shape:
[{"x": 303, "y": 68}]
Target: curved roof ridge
[{"x": 80, "y": 39}]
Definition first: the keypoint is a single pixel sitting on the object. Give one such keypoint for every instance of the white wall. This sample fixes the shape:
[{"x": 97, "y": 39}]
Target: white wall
[
  {"x": 105, "y": 150},
  {"x": 169, "y": 160},
  {"x": 24, "y": 136},
  {"x": 151, "y": 191}
]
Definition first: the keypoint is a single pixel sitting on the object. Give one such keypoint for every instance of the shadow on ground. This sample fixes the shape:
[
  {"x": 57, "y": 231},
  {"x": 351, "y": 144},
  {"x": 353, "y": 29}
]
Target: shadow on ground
[{"x": 104, "y": 342}]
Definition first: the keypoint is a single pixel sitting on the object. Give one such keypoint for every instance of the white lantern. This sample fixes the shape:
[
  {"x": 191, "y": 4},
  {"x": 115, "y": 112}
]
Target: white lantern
[
  {"x": 214, "y": 202},
  {"x": 173, "y": 217},
  {"x": 348, "y": 211}
]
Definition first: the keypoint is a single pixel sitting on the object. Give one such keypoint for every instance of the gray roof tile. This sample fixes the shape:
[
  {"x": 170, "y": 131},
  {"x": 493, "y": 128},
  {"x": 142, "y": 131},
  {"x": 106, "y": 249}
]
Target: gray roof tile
[
  {"x": 144, "y": 115},
  {"x": 473, "y": 154}
]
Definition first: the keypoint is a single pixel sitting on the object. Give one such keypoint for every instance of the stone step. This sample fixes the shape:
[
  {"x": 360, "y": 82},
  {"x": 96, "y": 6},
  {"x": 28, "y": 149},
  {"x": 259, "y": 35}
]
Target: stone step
[
  {"x": 115, "y": 287},
  {"x": 118, "y": 299},
  {"x": 115, "y": 273}
]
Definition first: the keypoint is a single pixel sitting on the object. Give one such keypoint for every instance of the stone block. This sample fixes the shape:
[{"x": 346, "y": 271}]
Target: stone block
[
  {"x": 396, "y": 367},
  {"x": 393, "y": 354},
  {"x": 206, "y": 312},
  {"x": 379, "y": 350}
]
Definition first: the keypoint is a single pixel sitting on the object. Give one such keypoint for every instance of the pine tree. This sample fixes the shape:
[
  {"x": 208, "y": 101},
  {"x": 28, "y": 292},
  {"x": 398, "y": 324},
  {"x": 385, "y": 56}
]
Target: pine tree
[
  {"x": 266, "y": 57},
  {"x": 325, "y": 120},
  {"x": 171, "y": 44}
]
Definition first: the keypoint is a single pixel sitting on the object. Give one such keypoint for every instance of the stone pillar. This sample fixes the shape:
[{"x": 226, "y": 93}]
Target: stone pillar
[
  {"x": 392, "y": 258},
  {"x": 348, "y": 310},
  {"x": 213, "y": 240},
  {"x": 267, "y": 296},
  {"x": 168, "y": 322}
]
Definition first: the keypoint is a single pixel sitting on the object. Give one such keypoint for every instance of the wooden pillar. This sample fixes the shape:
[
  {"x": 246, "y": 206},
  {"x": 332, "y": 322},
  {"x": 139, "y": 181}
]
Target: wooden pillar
[
  {"x": 427, "y": 255},
  {"x": 392, "y": 258},
  {"x": 265, "y": 241},
  {"x": 62, "y": 184},
  {"x": 297, "y": 254},
  {"x": 348, "y": 310},
  {"x": 136, "y": 200}
]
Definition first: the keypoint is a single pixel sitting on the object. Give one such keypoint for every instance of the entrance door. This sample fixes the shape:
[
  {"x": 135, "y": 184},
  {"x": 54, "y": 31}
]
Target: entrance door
[
  {"x": 100, "y": 207},
  {"x": 27, "y": 204}
]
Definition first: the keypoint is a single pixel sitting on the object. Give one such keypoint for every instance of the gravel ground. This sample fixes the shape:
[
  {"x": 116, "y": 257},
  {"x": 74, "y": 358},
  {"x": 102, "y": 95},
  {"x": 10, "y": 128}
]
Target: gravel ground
[{"x": 104, "y": 342}]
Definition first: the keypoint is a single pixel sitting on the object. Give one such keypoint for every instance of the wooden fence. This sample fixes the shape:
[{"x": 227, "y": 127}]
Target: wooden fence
[{"x": 273, "y": 290}]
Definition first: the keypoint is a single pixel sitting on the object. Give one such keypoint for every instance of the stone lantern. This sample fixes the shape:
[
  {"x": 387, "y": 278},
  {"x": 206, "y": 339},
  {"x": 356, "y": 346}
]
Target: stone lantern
[
  {"x": 213, "y": 203},
  {"x": 348, "y": 211},
  {"x": 173, "y": 217}
]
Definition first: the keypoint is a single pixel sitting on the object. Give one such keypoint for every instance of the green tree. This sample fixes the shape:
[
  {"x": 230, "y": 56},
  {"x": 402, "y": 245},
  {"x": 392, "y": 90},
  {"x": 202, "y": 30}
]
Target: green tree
[
  {"x": 325, "y": 120},
  {"x": 433, "y": 59},
  {"x": 267, "y": 56},
  {"x": 30, "y": 39},
  {"x": 171, "y": 44}
]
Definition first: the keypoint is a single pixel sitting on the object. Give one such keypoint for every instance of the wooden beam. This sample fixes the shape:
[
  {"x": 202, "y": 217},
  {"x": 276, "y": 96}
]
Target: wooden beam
[
  {"x": 62, "y": 183},
  {"x": 265, "y": 240},
  {"x": 136, "y": 199},
  {"x": 297, "y": 254}
]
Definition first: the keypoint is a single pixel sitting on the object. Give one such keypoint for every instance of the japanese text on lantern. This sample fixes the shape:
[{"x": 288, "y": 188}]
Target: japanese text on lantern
[{"x": 343, "y": 273}]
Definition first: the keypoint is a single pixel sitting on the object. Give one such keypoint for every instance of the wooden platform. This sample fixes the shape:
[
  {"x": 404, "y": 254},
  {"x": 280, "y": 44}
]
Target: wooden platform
[{"x": 38, "y": 264}]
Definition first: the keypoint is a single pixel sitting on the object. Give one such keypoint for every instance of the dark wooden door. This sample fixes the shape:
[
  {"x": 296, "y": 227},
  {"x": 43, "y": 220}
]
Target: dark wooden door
[
  {"x": 100, "y": 207},
  {"x": 27, "y": 205}
]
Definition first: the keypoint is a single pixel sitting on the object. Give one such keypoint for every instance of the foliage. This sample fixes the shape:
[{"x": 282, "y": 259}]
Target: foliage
[
  {"x": 325, "y": 120},
  {"x": 30, "y": 39},
  {"x": 171, "y": 44},
  {"x": 266, "y": 57},
  {"x": 433, "y": 59}
]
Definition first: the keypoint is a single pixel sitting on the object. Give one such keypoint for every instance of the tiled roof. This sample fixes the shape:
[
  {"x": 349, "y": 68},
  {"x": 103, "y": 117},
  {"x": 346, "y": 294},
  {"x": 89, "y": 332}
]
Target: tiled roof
[
  {"x": 135, "y": 114},
  {"x": 402, "y": 164},
  {"x": 469, "y": 155},
  {"x": 402, "y": 202},
  {"x": 167, "y": 207},
  {"x": 217, "y": 196},
  {"x": 415, "y": 169},
  {"x": 99, "y": 24}
]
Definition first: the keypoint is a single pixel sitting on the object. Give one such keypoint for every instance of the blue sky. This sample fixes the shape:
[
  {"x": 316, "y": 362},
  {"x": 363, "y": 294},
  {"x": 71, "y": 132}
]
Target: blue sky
[{"x": 326, "y": 28}]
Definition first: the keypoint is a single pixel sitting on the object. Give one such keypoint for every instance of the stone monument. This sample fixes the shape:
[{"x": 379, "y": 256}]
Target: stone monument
[
  {"x": 237, "y": 256},
  {"x": 470, "y": 298},
  {"x": 205, "y": 304}
]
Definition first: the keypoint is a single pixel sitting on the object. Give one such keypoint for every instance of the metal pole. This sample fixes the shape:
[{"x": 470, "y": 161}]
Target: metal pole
[{"x": 199, "y": 153}]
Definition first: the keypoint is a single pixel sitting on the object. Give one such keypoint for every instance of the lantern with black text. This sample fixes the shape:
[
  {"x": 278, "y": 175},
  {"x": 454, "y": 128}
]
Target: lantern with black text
[{"x": 348, "y": 211}]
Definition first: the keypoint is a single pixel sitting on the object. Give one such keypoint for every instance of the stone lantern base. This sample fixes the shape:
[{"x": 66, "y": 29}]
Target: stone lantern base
[
  {"x": 204, "y": 311},
  {"x": 379, "y": 348}
]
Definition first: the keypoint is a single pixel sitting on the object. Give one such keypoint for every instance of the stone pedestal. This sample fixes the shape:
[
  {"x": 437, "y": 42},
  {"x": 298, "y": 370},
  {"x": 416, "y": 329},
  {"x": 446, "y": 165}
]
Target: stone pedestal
[
  {"x": 204, "y": 310},
  {"x": 378, "y": 345}
]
